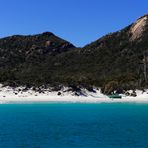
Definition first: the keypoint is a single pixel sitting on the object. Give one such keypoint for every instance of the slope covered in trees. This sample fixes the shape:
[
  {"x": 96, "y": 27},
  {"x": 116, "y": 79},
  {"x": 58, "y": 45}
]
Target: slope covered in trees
[{"x": 113, "y": 62}]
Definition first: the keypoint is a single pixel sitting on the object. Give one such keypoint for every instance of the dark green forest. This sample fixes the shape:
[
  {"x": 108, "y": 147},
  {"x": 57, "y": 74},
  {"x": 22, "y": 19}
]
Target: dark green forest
[{"x": 113, "y": 62}]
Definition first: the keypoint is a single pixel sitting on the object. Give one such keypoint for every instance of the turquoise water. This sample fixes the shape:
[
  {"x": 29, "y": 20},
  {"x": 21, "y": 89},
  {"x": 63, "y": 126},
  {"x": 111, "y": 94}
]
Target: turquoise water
[{"x": 74, "y": 126}]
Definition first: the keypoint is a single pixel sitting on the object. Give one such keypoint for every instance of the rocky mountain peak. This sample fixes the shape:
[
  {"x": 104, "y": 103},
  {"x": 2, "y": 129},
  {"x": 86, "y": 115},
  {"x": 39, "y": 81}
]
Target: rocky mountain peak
[
  {"x": 139, "y": 27},
  {"x": 47, "y": 33}
]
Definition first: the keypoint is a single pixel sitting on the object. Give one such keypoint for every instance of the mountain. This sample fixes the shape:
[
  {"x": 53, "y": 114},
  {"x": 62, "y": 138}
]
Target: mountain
[
  {"x": 113, "y": 62},
  {"x": 19, "y": 49},
  {"x": 119, "y": 55},
  {"x": 28, "y": 59}
]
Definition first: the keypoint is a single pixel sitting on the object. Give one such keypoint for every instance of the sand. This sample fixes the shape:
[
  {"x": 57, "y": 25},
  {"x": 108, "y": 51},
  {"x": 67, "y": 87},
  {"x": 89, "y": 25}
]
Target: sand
[{"x": 19, "y": 95}]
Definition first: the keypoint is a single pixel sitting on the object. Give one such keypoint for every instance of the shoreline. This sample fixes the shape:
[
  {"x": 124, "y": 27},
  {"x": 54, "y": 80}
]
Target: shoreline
[
  {"x": 69, "y": 99},
  {"x": 21, "y": 95}
]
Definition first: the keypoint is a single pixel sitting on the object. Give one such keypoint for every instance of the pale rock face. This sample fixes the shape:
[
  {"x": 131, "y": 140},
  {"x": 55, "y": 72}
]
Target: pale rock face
[{"x": 138, "y": 28}]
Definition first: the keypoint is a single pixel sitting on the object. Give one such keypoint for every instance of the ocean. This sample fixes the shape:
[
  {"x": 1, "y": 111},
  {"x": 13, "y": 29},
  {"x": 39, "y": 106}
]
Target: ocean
[{"x": 61, "y": 125}]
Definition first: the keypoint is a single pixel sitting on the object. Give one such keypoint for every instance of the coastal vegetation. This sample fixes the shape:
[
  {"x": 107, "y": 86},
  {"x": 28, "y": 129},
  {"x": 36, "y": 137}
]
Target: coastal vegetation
[{"x": 113, "y": 62}]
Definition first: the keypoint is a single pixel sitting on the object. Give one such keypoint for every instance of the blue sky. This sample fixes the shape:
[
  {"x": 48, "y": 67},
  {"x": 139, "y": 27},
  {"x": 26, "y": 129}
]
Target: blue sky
[{"x": 78, "y": 21}]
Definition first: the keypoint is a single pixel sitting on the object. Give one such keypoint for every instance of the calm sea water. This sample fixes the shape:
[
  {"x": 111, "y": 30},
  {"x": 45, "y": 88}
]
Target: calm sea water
[{"x": 74, "y": 126}]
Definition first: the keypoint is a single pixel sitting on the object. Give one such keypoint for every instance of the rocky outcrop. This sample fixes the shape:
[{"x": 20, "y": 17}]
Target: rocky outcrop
[{"x": 138, "y": 27}]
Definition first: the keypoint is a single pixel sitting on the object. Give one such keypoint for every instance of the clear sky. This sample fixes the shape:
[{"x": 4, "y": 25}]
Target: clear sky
[{"x": 78, "y": 21}]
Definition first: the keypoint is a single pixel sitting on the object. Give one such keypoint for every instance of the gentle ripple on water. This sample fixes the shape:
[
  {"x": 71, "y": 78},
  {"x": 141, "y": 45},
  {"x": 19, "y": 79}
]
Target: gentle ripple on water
[{"x": 74, "y": 126}]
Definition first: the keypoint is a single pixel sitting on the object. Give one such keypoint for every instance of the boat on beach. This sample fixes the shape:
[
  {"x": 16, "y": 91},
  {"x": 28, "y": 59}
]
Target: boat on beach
[{"x": 115, "y": 96}]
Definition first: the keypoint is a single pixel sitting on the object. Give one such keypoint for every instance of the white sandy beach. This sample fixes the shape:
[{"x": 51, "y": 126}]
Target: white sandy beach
[{"x": 18, "y": 95}]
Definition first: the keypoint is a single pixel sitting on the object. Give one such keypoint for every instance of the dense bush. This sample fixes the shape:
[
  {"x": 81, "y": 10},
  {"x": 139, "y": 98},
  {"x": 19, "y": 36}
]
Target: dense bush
[{"x": 111, "y": 62}]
